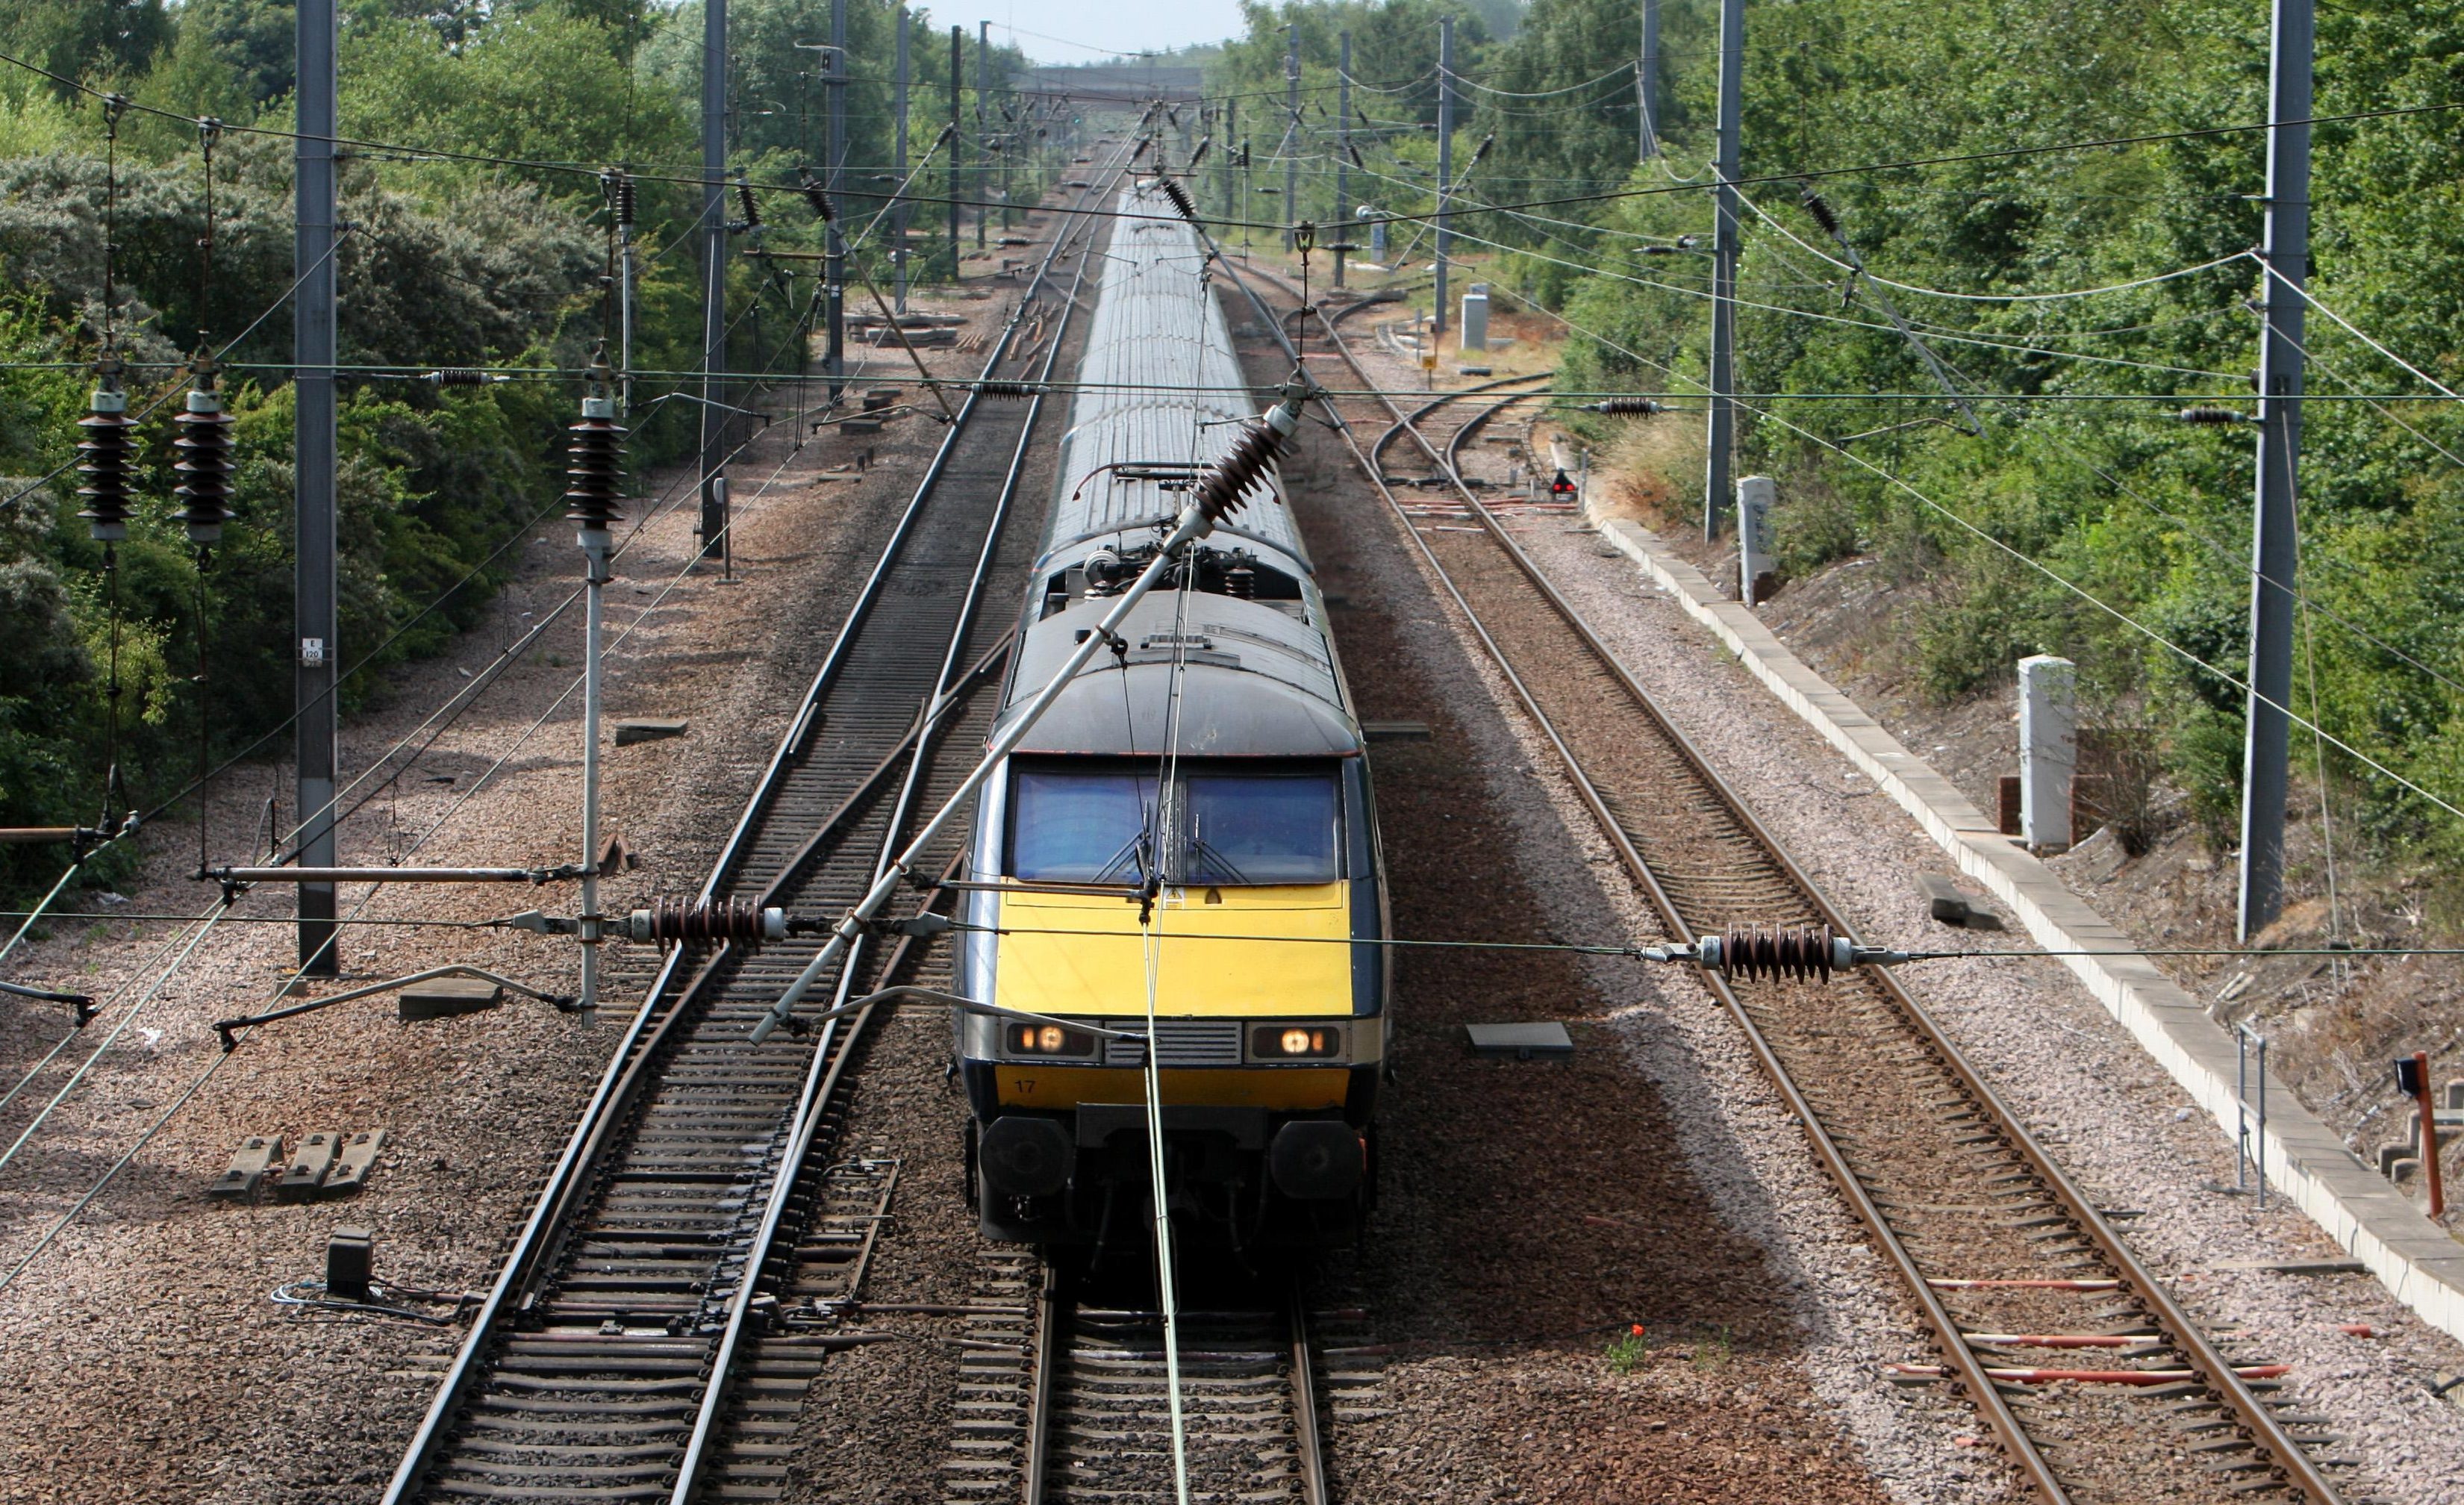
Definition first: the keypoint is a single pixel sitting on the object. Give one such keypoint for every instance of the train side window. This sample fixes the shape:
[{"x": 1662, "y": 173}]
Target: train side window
[
  {"x": 1271, "y": 827},
  {"x": 1071, "y": 826}
]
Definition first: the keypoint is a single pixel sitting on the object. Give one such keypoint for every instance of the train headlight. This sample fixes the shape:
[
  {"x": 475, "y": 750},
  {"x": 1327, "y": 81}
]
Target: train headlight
[
  {"x": 1047, "y": 1040},
  {"x": 1295, "y": 1043}
]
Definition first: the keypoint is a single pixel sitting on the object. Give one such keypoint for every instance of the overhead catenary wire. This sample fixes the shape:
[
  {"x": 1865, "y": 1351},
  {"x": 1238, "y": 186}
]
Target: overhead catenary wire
[
  {"x": 2190, "y": 528},
  {"x": 290, "y": 984},
  {"x": 1912, "y": 163},
  {"x": 2049, "y": 572}
]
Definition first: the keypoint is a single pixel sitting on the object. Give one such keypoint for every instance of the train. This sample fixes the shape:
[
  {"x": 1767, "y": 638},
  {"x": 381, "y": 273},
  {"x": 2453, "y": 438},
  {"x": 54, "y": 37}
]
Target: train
[{"x": 1190, "y": 829}]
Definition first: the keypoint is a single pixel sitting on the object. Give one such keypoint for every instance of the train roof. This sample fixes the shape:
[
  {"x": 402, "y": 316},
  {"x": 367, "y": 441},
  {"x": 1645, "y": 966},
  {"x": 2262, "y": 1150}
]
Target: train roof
[
  {"x": 1164, "y": 389},
  {"x": 1255, "y": 683},
  {"x": 1256, "y": 677}
]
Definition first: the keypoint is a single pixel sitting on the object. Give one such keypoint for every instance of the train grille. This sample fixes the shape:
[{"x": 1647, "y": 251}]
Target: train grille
[{"x": 1181, "y": 1042}]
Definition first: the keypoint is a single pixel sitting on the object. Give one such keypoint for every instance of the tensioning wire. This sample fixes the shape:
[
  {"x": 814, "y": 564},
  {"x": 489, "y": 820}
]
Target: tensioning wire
[
  {"x": 1582, "y": 948},
  {"x": 1007, "y": 388},
  {"x": 257, "y": 919}
]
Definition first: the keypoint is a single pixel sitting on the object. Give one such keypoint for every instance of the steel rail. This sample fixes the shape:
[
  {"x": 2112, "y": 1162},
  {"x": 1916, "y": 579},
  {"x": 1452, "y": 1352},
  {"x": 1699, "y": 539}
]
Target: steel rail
[
  {"x": 819, "y": 1088},
  {"x": 1988, "y": 1400},
  {"x": 1306, "y": 1438},
  {"x": 627, "y": 1070},
  {"x": 1474, "y": 424},
  {"x": 2213, "y": 1371},
  {"x": 1403, "y": 422},
  {"x": 2213, "y": 1368},
  {"x": 1285, "y": 1316},
  {"x": 714, "y": 965},
  {"x": 1052, "y": 1332}
]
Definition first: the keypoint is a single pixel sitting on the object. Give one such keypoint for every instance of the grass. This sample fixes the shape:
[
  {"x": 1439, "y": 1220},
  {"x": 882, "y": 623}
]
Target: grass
[{"x": 1655, "y": 471}]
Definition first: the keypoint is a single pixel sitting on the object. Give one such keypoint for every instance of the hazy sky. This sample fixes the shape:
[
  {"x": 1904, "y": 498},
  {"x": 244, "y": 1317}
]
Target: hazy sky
[{"x": 1081, "y": 31}]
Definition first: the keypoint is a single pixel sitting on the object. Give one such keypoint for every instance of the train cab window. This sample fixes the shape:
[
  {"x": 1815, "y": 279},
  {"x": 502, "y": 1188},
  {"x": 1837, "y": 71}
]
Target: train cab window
[
  {"x": 1080, "y": 827},
  {"x": 1269, "y": 828}
]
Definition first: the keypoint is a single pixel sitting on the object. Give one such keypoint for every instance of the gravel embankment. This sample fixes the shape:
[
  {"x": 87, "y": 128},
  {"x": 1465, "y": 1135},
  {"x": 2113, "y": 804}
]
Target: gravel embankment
[
  {"x": 145, "y": 1358},
  {"x": 2119, "y": 1125},
  {"x": 1532, "y": 1212}
]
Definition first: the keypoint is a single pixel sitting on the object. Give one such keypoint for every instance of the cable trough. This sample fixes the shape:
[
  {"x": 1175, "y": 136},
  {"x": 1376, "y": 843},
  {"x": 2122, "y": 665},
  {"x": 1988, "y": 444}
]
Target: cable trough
[
  {"x": 651, "y": 1334},
  {"x": 2013, "y": 1269}
]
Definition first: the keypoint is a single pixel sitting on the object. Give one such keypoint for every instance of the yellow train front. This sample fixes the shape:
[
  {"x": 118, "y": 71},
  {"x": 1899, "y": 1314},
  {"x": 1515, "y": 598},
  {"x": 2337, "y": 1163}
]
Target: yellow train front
[{"x": 1189, "y": 832}]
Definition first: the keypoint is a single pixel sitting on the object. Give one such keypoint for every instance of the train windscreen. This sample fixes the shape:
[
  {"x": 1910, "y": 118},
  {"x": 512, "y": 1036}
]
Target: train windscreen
[
  {"x": 1074, "y": 826},
  {"x": 1276, "y": 827},
  {"x": 1096, "y": 826}
]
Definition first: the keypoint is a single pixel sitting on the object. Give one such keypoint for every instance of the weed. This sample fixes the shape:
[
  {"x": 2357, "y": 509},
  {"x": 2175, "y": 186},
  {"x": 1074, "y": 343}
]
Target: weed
[
  {"x": 1715, "y": 1352},
  {"x": 1628, "y": 1352}
]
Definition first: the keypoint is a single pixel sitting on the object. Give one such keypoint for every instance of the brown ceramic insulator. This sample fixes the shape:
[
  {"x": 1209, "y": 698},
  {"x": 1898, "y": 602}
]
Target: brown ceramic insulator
[
  {"x": 1751, "y": 953},
  {"x": 594, "y": 470},
  {"x": 108, "y": 462},
  {"x": 205, "y": 466},
  {"x": 676, "y": 921},
  {"x": 1219, "y": 491}
]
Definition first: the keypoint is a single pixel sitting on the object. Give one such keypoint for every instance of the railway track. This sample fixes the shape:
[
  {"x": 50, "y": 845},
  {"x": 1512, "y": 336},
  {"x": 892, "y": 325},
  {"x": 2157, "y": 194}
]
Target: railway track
[
  {"x": 1065, "y": 1400},
  {"x": 652, "y": 1333},
  {"x": 2014, "y": 1271}
]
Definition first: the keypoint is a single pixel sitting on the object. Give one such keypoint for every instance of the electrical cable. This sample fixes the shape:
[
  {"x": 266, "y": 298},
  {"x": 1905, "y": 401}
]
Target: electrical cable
[
  {"x": 1622, "y": 71},
  {"x": 2080, "y": 591},
  {"x": 1996, "y": 297},
  {"x": 293, "y": 981},
  {"x": 1905, "y": 164},
  {"x": 142, "y": 414},
  {"x": 2311, "y": 298},
  {"x": 1854, "y": 324},
  {"x": 2193, "y": 531}
]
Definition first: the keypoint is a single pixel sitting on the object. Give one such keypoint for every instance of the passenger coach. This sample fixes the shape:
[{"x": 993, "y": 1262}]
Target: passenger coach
[{"x": 1189, "y": 829}]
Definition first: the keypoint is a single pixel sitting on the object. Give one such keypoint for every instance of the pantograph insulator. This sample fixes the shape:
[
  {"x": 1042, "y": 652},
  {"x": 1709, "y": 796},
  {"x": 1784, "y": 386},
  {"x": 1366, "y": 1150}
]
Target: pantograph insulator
[
  {"x": 1625, "y": 407},
  {"x": 677, "y": 921},
  {"x": 205, "y": 464},
  {"x": 108, "y": 457},
  {"x": 595, "y": 454},
  {"x": 1180, "y": 199}
]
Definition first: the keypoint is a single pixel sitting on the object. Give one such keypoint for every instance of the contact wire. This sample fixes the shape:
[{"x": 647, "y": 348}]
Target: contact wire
[{"x": 1165, "y": 822}]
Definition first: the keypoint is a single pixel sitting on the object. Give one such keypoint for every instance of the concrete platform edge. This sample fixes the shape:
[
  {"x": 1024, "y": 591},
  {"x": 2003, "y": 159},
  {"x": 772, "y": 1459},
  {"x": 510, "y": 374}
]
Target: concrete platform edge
[{"x": 2416, "y": 1260}]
